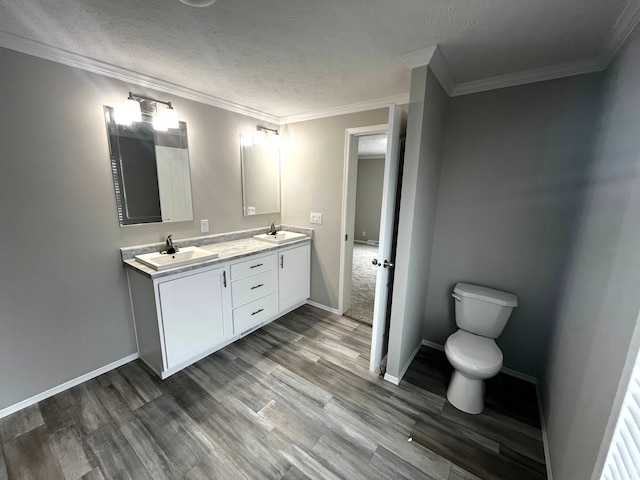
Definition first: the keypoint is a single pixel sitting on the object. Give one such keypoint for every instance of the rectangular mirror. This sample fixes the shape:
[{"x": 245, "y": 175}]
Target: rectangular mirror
[
  {"x": 260, "y": 177},
  {"x": 150, "y": 171}
]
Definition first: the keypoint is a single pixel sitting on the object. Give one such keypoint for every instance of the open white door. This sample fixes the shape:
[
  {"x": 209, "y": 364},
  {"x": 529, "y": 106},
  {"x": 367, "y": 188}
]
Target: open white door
[{"x": 386, "y": 234}]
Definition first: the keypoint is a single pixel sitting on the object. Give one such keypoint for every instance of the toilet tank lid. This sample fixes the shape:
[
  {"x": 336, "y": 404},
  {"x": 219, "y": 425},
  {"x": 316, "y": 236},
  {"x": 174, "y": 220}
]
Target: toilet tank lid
[{"x": 486, "y": 294}]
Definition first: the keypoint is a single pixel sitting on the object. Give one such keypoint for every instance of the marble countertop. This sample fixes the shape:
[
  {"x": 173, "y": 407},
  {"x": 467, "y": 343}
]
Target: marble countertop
[{"x": 227, "y": 250}]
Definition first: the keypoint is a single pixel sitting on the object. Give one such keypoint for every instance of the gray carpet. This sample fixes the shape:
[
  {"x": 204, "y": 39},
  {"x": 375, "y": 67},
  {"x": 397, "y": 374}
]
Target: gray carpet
[{"x": 363, "y": 283}]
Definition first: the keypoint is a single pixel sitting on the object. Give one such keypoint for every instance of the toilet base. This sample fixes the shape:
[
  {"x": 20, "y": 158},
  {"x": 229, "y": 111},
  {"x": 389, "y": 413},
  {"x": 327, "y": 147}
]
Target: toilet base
[{"x": 466, "y": 394}]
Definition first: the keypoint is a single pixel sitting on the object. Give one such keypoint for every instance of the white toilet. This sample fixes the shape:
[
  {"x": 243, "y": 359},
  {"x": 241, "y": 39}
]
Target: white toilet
[{"x": 481, "y": 315}]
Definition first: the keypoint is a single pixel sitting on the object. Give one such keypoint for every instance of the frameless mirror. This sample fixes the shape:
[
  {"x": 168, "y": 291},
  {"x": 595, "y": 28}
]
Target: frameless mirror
[
  {"x": 260, "y": 177},
  {"x": 150, "y": 172}
]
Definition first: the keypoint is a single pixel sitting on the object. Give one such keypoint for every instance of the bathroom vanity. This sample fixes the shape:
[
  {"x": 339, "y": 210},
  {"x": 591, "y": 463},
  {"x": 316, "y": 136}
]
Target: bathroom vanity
[{"x": 186, "y": 313}]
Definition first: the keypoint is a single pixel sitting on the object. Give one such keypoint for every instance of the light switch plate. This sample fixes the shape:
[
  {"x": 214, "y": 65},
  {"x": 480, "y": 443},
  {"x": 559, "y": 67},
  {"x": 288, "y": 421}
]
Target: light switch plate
[
  {"x": 316, "y": 218},
  {"x": 204, "y": 226}
]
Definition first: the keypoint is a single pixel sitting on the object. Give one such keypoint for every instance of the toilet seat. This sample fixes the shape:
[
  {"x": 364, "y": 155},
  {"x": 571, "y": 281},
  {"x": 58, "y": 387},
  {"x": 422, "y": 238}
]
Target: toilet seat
[{"x": 474, "y": 352}]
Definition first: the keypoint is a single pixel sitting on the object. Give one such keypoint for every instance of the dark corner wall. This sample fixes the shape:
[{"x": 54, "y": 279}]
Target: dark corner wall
[
  {"x": 514, "y": 176},
  {"x": 599, "y": 297},
  {"x": 539, "y": 194}
]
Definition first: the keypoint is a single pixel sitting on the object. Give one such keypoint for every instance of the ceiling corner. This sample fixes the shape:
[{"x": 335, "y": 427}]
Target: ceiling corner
[
  {"x": 627, "y": 21},
  {"x": 432, "y": 56},
  {"x": 419, "y": 58},
  {"x": 441, "y": 70}
]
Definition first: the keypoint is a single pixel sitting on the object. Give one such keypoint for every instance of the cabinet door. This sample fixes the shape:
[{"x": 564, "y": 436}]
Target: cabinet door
[
  {"x": 192, "y": 314},
  {"x": 293, "y": 276}
]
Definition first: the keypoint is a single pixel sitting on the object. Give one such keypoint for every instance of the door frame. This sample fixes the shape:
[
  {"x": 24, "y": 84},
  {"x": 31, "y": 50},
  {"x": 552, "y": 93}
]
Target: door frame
[{"x": 349, "y": 184}]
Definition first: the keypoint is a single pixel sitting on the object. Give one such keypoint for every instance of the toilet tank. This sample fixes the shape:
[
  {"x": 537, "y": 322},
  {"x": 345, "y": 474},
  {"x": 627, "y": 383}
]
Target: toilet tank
[{"x": 481, "y": 310}]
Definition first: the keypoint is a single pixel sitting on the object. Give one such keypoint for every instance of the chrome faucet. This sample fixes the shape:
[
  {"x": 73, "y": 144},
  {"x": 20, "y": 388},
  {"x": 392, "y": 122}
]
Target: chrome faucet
[
  {"x": 272, "y": 229},
  {"x": 170, "y": 247}
]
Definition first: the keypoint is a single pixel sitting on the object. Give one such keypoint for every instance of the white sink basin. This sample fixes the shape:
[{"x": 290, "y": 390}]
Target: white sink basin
[
  {"x": 280, "y": 237},
  {"x": 185, "y": 256}
]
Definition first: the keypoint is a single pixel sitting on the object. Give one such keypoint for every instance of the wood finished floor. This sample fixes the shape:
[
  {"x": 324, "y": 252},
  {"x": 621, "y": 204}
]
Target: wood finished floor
[{"x": 291, "y": 401}]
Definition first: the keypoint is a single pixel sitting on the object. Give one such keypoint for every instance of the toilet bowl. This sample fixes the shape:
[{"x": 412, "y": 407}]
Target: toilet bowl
[{"x": 481, "y": 315}]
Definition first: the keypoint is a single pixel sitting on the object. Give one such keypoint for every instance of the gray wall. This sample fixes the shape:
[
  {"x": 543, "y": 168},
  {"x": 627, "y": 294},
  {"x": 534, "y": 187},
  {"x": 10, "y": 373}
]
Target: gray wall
[
  {"x": 422, "y": 163},
  {"x": 64, "y": 304},
  {"x": 513, "y": 181},
  {"x": 601, "y": 291},
  {"x": 312, "y": 171},
  {"x": 369, "y": 198}
]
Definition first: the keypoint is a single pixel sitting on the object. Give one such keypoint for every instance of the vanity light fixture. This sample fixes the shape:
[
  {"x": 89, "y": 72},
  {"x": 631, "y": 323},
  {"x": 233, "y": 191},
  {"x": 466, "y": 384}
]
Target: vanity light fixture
[
  {"x": 135, "y": 106},
  {"x": 264, "y": 135}
]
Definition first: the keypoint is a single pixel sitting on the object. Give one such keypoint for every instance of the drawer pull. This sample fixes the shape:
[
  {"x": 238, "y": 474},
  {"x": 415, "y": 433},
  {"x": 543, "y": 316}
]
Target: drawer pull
[
  {"x": 257, "y": 311},
  {"x": 257, "y": 286},
  {"x": 256, "y": 266}
]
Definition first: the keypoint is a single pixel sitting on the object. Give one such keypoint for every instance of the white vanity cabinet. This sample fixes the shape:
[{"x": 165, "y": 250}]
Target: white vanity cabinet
[
  {"x": 180, "y": 318},
  {"x": 293, "y": 276},
  {"x": 183, "y": 317},
  {"x": 193, "y": 313},
  {"x": 254, "y": 291}
]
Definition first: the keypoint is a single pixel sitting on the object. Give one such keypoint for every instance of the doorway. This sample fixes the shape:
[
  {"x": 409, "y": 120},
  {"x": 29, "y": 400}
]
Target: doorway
[
  {"x": 382, "y": 264},
  {"x": 369, "y": 182}
]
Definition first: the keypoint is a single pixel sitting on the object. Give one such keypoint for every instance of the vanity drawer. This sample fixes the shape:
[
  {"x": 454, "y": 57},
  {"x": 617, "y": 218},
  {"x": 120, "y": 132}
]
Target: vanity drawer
[
  {"x": 253, "y": 266},
  {"x": 255, "y": 312},
  {"x": 250, "y": 288}
]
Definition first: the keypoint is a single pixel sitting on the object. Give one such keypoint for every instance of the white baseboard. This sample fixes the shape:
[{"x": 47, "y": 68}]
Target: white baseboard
[
  {"x": 392, "y": 379},
  {"x": 520, "y": 375},
  {"x": 433, "y": 345},
  {"x": 396, "y": 380},
  {"x": 66, "y": 386},
  {"x": 322, "y": 307}
]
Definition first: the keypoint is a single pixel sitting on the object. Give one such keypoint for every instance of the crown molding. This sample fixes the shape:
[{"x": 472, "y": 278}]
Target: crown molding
[
  {"x": 419, "y": 58},
  {"x": 433, "y": 57},
  {"x": 627, "y": 21},
  {"x": 65, "y": 57},
  {"x": 441, "y": 70},
  {"x": 530, "y": 76},
  {"x": 401, "y": 99}
]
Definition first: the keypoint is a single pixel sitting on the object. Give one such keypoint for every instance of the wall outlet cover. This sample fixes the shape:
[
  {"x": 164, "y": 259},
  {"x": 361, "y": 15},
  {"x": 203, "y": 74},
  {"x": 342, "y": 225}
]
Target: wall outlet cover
[
  {"x": 316, "y": 218},
  {"x": 204, "y": 226}
]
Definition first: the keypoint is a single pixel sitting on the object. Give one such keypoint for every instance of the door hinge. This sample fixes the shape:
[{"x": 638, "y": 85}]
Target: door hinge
[{"x": 346, "y": 237}]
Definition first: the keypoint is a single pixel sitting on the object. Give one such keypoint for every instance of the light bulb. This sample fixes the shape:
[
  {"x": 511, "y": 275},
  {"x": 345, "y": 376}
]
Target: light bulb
[
  {"x": 259, "y": 137},
  {"x": 246, "y": 140},
  {"x": 170, "y": 118},
  {"x": 274, "y": 140},
  {"x": 159, "y": 123},
  {"x": 121, "y": 116},
  {"x": 133, "y": 110}
]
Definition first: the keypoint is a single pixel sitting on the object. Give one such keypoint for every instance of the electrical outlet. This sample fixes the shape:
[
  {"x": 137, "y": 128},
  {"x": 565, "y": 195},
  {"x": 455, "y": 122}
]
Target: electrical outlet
[
  {"x": 364, "y": 234},
  {"x": 316, "y": 218},
  {"x": 204, "y": 226}
]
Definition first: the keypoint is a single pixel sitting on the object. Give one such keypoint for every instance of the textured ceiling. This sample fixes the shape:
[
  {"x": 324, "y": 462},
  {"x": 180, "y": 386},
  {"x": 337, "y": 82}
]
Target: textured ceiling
[{"x": 288, "y": 57}]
